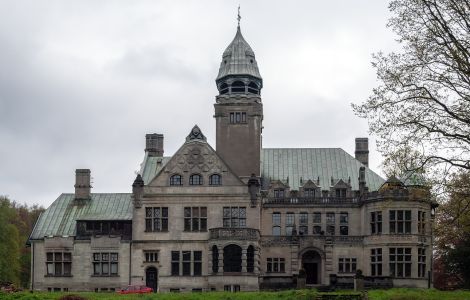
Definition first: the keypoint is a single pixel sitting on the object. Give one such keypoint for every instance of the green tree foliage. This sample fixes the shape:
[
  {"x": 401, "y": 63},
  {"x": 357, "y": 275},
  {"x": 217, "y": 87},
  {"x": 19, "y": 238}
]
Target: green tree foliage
[
  {"x": 16, "y": 224},
  {"x": 453, "y": 231},
  {"x": 422, "y": 101}
]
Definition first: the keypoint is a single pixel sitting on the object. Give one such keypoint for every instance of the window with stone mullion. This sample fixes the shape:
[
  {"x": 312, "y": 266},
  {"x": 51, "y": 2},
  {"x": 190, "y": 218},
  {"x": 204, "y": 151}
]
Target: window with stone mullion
[
  {"x": 156, "y": 219},
  {"x": 400, "y": 221},
  {"x": 58, "y": 263},
  {"x": 234, "y": 217},
  {"x": 400, "y": 262},
  {"x": 195, "y": 219},
  {"x": 376, "y": 261}
]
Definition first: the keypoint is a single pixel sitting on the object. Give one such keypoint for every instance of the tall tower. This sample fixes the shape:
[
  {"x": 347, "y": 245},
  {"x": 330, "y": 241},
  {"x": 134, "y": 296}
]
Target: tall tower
[{"x": 238, "y": 108}]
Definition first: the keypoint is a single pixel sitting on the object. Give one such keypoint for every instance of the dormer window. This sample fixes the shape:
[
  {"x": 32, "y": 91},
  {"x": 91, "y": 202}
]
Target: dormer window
[
  {"x": 223, "y": 88},
  {"x": 309, "y": 193},
  {"x": 340, "y": 193},
  {"x": 279, "y": 193},
  {"x": 237, "y": 117},
  {"x": 176, "y": 180},
  {"x": 215, "y": 179},
  {"x": 195, "y": 179}
]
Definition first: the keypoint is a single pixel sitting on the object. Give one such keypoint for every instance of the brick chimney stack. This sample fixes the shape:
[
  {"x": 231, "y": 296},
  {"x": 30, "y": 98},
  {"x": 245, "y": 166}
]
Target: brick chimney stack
[
  {"x": 154, "y": 144},
  {"x": 82, "y": 184},
  {"x": 362, "y": 151}
]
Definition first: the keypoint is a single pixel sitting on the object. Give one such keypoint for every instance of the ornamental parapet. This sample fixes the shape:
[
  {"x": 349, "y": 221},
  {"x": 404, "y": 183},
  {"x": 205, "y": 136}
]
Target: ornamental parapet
[
  {"x": 303, "y": 240},
  {"x": 242, "y": 234},
  {"x": 323, "y": 201}
]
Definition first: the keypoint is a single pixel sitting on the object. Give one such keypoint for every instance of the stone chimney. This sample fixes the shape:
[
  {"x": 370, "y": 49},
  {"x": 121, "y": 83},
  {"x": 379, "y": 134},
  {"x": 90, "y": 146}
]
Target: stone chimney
[
  {"x": 362, "y": 151},
  {"x": 82, "y": 184},
  {"x": 154, "y": 144},
  {"x": 138, "y": 191}
]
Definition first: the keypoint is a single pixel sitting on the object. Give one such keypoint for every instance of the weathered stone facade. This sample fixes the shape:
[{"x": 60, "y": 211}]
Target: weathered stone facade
[{"x": 239, "y": 217}]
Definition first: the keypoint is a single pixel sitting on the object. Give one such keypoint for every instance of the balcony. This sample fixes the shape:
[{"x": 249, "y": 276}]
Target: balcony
[
  {"x": 241, "y": 234},
  {"x": 301, "y": 201}
]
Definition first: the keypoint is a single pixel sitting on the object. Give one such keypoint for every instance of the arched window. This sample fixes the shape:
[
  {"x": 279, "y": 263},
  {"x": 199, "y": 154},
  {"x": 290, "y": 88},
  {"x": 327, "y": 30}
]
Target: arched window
[
  {"x": 238, "y": 87},
  {"x": 253, "y": 88},
  {"x": 223, "y": 88},
  {"x": 195, "y": 179},
  {"x": 215, "y": 179},
  {"x": 176, "y": 180},
  {"x": 215, "y": 259},
  {"x": 232, "y": 258},
  {"x": 250, "y": 259}
]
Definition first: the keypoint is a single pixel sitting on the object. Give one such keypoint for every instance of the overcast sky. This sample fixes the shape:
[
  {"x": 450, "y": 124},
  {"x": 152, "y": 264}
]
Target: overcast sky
[{"x": 82, "y": 82}]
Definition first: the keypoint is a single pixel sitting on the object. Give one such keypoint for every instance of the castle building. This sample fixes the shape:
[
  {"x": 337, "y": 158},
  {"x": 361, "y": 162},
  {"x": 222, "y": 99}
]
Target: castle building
[{"x": 237, "y": 217}]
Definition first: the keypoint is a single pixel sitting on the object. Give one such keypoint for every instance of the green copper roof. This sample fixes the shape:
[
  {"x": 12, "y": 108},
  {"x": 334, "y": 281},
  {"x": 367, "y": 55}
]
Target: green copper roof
[
  {"x": 151, "y": 166},
  {"x": 60, "y": 218},
  {"x": 294, "y": 164}
]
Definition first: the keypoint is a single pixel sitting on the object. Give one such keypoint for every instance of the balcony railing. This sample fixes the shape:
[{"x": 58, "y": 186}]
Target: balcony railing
[
  {"x": 310, "y": 200},
  {"x": 244, "y": 234}
]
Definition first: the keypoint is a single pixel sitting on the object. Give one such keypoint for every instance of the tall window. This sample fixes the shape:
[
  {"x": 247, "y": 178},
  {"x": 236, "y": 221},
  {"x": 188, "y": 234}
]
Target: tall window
[
  {"x": 347, "y": 265},
  {"x": 156, "y": 219},
  {"x": 276, "y": 223},
  {"x": 250, "y": 259},
  {"x": 232, "y": 258},
  {"x": 279, "y": 193},
  {"x": 343, "y": 223},
  {"x": 184, "y": 260},
  {"x": 215, "y": 179},
  {"x": 376, "y": 222},
  {"x": 309, "y": 193},
  {"x": 276, "y": 265},
  {"x": 195, "y": 179},
  {"x": 421, "y": 262},
  {"x": 330, "y": 223},
  {"x": 303, "y": 223},
  {"x": 290, "y": 217},
  {"x": 105, "y": 264},
  {"x": 176, "y": 180},
  {"x": 376, "y": 262},
  {"x": 58, "y": 263},
  {"x": 215, "y": 259},
  {"x": 316, "y": 218},
  {"x": 151, "y": 256},
  {"x": 234, "y": 216},
  {"x": 237, "y": 117},
  {"x": 400, "y": 262},
  {"x": 195, "y": 219},
  {"x": 400, "y": 221},
  {"x": 421, "y": 222}
]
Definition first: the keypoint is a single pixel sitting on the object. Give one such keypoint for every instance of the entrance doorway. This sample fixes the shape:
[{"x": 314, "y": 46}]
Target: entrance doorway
[
  {"x": 151, "y": 278},
  {"x": 311, "y": 262}
]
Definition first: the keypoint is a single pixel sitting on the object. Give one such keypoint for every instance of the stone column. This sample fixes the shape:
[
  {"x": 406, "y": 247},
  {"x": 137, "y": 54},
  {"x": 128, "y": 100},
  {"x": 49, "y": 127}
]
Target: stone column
[
  {"x": 244, "y": 250},
  {"x": 209, "y": 262},
  {"x": 257, "y": 269},
  {"x": 221, "y": 259}
]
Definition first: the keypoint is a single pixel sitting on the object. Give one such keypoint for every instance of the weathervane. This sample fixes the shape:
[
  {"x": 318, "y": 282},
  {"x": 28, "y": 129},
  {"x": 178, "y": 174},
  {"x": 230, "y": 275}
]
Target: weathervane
[{"x": 239, "y": 17}]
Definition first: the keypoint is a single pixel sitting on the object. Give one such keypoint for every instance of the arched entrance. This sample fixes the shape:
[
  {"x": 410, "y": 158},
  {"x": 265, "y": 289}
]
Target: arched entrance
[
  {"x": 151, "y": 278},
  {"x": 232, "y": 258},
  {"x": 311, "y": 262}
]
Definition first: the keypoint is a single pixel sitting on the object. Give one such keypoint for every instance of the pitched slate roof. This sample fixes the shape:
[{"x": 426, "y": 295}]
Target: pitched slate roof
[
  {"x": 311, "y": 163},
  {"x": 60, "y": 218}
]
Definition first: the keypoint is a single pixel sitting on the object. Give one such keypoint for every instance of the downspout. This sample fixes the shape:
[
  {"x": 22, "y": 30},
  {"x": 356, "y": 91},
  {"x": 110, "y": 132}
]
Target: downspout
[
  {"x": 32, "y": 266},
  {"x": 130, "y": 261}
]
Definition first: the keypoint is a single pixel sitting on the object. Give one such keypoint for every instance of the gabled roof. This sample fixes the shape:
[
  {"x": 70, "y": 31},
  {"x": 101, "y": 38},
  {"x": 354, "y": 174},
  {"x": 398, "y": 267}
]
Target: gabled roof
[
  {"x": 311, "y": 163},
  {"x": 151, "y": 166},
  {"x": 60, "y": 218}
]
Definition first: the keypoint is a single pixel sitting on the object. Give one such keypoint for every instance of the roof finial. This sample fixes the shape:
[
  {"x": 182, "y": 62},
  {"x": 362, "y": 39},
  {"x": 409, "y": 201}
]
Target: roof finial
[{"x": 239, "y": 17}]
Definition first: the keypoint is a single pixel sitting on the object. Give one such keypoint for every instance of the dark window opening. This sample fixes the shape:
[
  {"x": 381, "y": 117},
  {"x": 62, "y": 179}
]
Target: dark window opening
[
  {"x": 195, "y": 219},
  {"x": 238, "y": 87},
  {"x": 376, "y": 262},
  {"x": 223, "y": 88},
  {"x": 215, "y": 259},
  {"x": 400, "y": 262},
  {"x": 59, "y": 263},
  {"x": 232, "y": 258},
  {"x": 156, "y": 219},
  {"x": 400, "y": 221},
  {"x": 250, "y": 259},
  {"x": 376, "y": 222},
  {"x": 253, "y": 88}
]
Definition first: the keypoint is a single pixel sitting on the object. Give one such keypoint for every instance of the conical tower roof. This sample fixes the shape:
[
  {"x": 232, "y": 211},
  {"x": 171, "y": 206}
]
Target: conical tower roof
[{"x": 238, "y": 59}]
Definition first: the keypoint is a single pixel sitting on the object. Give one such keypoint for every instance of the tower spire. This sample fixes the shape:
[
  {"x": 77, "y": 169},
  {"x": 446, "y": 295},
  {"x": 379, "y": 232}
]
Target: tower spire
[{"x": 239, "y": 17}]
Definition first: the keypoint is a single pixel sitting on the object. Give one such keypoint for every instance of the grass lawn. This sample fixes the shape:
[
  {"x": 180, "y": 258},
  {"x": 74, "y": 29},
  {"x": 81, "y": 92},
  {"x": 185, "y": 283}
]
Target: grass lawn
[{"x": 392, "y": 294}]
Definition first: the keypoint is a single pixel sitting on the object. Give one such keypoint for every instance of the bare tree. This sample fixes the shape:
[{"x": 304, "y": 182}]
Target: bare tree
[{"x": 423, "y": 99}]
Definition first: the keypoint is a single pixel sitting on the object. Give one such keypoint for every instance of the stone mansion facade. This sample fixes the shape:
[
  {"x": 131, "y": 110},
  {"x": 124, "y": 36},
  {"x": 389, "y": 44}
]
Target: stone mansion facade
[{"x": 237, "y": 217}]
